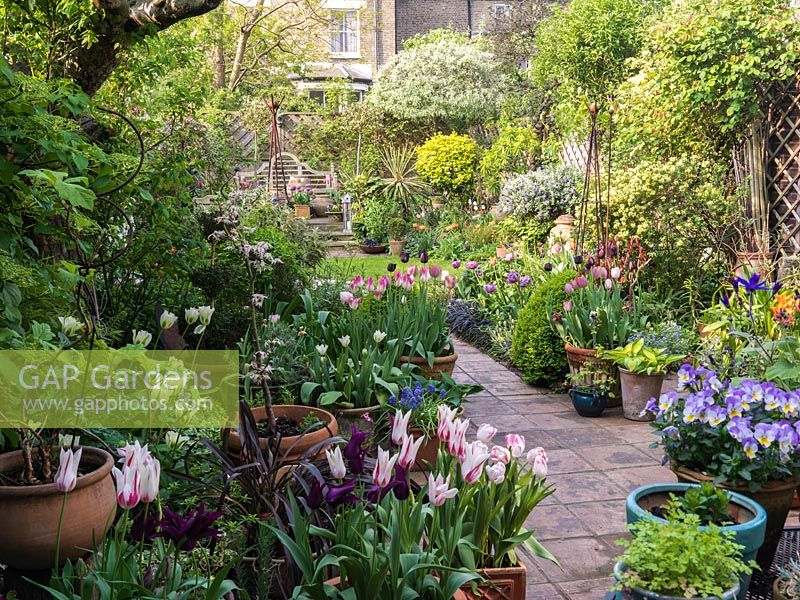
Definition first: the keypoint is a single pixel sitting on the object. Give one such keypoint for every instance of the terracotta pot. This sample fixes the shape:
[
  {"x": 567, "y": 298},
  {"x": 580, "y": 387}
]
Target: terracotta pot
[
  {"x": 507, "y": 583},
  {"x": 302, "y": 211},
  {"x": 373, "y": 249},
  {"x": 774, "y": 496},
  {"x": 397, "y": 246},
  {"x": 336, "y": 581},
  {"x": 30, "y": 514},
  {"x": 755, "y": 262},
  {"x": 355, "y": 416},
  {"x": 777, "y": 590},
  {"x": 637, "y": 389},
  {"x": 501, "y": 251},
  {"x": 441, "y": 364},
  {"x": 296, "y": 446},
  {"x": 579, "y": 358},
  {"x": 428, "y": 453}
]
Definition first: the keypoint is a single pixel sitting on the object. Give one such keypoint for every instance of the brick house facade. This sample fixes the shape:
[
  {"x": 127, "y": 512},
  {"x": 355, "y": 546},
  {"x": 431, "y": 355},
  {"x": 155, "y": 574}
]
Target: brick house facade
[{"x": 364, "y": 34}]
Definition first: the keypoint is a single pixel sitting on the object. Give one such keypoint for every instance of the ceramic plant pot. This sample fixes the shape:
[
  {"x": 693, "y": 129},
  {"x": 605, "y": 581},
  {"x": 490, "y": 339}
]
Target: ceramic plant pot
[
  {"x": 428, "y": 453},
  {"x": 360, "y": 417},
  {"x": 294, "y": 447},
  {"x": 639, "y": 594},
  {"x": 397, "y": 246},
  {"x": 30, "y": 514},
  {"x": 749, "y": 517},
  {"x": 302, "y": 211},
  {"x": 506, "y": 583},
  {"x": 774, "y": 496},
  {"x": 637, "y": 389},
  {"x": 586, "y": 358},
  {"x": 441, "y": 364},
  {"x": 588, "y": 403}
]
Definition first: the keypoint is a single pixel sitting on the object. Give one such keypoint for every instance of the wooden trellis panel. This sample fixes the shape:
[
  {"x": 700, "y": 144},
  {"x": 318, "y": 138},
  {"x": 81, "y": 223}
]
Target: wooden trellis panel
[{"x": 783, "y": 163}]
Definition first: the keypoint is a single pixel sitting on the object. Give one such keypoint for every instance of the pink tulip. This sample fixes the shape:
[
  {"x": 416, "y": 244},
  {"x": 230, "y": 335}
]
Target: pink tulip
[
  {"x": 446, "y": 416},
  {"x": 568, "y": 288},
  {"x": 439, "y": 490},
  {"x": 150, "y": 475},
  {"x": 358, "y": 281},
  {"x": 425, "y": 274},
  {"x": 336, "y": 463},
  {"x": 567, "y": 305},
  {"x": 408, "y": 452},
  {"x": 400, "y": 427},
  {"x": 539, "y": 468},
  {"x": 354, "y": 303},
  {"x": 496, "y": 473},
  {"x": 384, "y": 465},
  {"x": 345, "y": 297},
  {"x": 581, "y": 282},
  {"x": 475, "y": 455},
  {"x": 450, "y": 281},
  {"x": 456, "y": 443},
  {"x": 127, "y": 482},
  {"x": 132, "y": 455},
  {"x": 435, "y": 271},
  {"x": 516, "y": 444},
  {"x": 67, "y": 475},
  {"x": 534, "y": 452},
  {"x": 486, "y": 432},
  {"x": 500, "y": 455},
  {"x": 412, "y": 271}
]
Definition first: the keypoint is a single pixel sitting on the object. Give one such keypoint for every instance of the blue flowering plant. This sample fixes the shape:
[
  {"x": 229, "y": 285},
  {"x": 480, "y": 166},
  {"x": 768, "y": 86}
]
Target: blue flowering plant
[{"x": 737, "y": 433}]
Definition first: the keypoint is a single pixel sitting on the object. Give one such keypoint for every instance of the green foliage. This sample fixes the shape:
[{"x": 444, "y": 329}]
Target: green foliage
[
  {"x": 445, "y": 83},
  {"x": 679, "y": 558},
  {"x": 400, "y": 183},
  {"x": 449, "y": 163},
  {"x": 705, "y": 70},
  {"x": 517, "y": 149},
  {"x": 370, "y": 218},
  {"x": 537, "y": 351},
  {"x": 585, "y": 46},
  {"x": 706, "y": 500},
  {"x": 542, "y": 195},
  {"x": 527, "y": 231},
  {"x": 681, "y": 211},
  {"x": 638, "y": 358}
]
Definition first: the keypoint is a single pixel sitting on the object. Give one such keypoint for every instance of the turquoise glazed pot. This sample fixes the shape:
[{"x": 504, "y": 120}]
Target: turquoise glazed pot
[
  {"x": 750, "y": 518},
  {"x": 588, "y": 403},
  {"x": 637, "y": 594}
]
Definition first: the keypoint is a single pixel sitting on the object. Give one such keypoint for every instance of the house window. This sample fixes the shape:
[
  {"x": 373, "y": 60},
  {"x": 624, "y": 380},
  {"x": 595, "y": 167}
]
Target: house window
[
  {"x": 500, "y": 10},
  {"x": 317, "y": 96},
  {"x": 344, "y": 32}
]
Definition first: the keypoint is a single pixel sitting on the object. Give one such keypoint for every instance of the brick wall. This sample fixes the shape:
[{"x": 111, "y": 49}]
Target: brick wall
[{"x": 420, "y": 16}]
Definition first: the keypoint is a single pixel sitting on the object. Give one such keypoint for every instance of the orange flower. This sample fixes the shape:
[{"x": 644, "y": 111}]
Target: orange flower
[
  {"x": 422, "y": 227},
  {"x": 451, "y": 227},
  {"x": 785, "y": 307}
]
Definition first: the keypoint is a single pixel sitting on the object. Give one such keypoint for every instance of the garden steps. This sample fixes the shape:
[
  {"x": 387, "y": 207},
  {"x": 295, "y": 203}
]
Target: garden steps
[{"x": 332, "y": 230}]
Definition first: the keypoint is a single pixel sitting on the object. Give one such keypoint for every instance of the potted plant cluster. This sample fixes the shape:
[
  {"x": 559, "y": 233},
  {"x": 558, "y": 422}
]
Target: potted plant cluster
[
  {"x": 731, "y": 512},
  {"x": 679, "y": 558},
  {"x": 590, "y": 391},
  {"x": 334, "y": 212},
  {"x": 300, "y": 198},
  {"x": 743, "y": 436},
  {"x": 397, "y": 229},
  {"x": 642, "y": 372},
  {"x": 601, "y": 311}
]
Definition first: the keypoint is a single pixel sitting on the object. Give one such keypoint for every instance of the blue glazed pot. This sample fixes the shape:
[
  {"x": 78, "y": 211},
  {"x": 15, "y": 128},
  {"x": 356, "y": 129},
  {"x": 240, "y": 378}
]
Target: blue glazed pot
[
  {"x": 588, "y": 403},
  {"x": 637, "y": 594},
  {"x": 750, "y": 518}
]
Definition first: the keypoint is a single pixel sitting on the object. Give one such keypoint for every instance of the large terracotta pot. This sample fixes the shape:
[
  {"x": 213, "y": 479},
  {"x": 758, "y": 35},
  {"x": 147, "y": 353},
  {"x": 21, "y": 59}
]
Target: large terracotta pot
[
  {"x": 774, "y": 496},
  {"x": 754, "y": 262},
  {"x": 441, "y": 364},
  {"x": 296, "y": 446},
  {"x": 360, "y": 417},
  {"x": 397, "y": 246},
  {"x": 30, "y": 514},
  {"x": 637, "y": 389},
  {"x": 507, "y": 583},
  {"x": 428, "y": 453},
  {"x": 302, "y": 211},
  {"x": 580, "y": 358}
]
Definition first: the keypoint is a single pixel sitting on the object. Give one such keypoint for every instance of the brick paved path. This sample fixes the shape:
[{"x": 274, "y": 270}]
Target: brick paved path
[{"x": 594, "y": 463}]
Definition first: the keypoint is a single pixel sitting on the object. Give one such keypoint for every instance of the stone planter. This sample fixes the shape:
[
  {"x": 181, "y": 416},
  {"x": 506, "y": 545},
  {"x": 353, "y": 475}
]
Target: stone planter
[
  {"x": 580, "y": 358},
  {"x": 638, "y": 594},
  {"x": 297, "y": 446},
  {"x": 335, "y": 217},
  {"x": 441, "y": 364},
  {"x": 30, "y": 514},
  {"x": 506, "y": 583},
  {"x": 774, "y": 496},
  {"x": 397, "y": 246},
  {"x": 564, "y": 228},
  {"x": 750, "y": 519},
  {"x": 302, "y": 211},
  {"x": 637, "y": 389},
  {"x": 588, "y": 403}
]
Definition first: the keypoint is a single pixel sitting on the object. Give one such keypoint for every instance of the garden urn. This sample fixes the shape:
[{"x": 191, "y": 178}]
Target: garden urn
[
  {"x": 31, "y": 513},
  {"x": 564, "y": 228},
  {"x": 637, "y": 389}
]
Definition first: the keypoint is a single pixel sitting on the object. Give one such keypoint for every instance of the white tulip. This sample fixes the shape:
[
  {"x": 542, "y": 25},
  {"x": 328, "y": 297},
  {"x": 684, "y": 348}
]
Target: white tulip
[
  {"x": 344, "y": 341},
  {"x": 205, "y": 314},
  {"x": 168, "y": 319},
  {"x": 379, "y": 336},
  {"x": 70, "y": 326},
  {"x": 322, "y": 349},
  {"x": 191, "y": 315},
  {"x": 142, "y": 337}
]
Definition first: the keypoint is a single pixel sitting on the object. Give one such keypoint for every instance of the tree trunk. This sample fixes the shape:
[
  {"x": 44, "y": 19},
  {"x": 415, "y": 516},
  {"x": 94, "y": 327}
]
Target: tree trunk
[
  {"x": 218, "y": 53},
  {"x": 120, "y": 20},
  {"x": 253, "y": 15}
]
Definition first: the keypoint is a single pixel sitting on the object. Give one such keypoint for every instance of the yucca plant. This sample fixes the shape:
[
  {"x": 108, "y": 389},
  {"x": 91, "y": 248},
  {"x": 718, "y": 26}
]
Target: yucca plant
[{"x": 400, "y": 182}]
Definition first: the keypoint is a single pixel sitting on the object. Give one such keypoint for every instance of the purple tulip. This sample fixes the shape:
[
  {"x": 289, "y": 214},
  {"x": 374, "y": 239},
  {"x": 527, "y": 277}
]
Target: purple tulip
[
  {"x": 354, "y": 452},
  {"x": 512, "y": 277},
  {"x": 548, "y": 267},
  {"x": 472, "y": 265},
  {"x": 187, "y": 531},
  {"x": 342, "y": 494},
  {"x": 456, "y": 264},
  {"x": 568, "y": 288},
  {"x": 580, "y": 282},
  {"x": 489, "y": 288},
  {"x": 525, "y": 281}
]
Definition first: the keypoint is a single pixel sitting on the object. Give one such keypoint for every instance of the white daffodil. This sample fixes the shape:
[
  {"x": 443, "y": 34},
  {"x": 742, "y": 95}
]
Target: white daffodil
[{"x": 168, "y": 319}]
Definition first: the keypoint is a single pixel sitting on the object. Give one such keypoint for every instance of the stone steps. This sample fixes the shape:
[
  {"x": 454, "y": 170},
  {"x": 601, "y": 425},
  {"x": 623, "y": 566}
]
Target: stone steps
[{"x": 332, "y": 230}]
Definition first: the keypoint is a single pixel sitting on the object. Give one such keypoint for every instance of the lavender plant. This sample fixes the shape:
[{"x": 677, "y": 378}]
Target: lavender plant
[{"x": 541, "y": 195}]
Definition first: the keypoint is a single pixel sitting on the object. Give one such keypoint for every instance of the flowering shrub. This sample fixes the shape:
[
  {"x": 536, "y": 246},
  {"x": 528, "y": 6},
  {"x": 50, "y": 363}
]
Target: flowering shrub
[
  {"x": 541, "y": 195},
  {"x": 449, "y": 163},
  {"x": 746, "y": 432}
]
